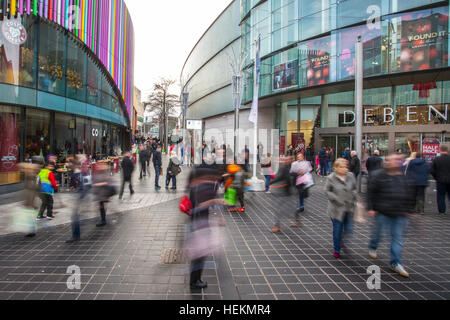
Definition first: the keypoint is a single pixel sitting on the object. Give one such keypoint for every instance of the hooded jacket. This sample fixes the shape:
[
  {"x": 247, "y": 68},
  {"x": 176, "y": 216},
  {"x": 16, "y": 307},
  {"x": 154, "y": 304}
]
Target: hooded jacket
[{"x": 419, "y": 170}]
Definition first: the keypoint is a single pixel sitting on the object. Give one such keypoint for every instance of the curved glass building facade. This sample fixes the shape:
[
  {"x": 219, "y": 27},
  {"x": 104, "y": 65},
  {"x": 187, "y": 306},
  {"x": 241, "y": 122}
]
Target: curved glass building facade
[
  {"x": 308, "y": 68},
  {"x": 66, "y": 80}
]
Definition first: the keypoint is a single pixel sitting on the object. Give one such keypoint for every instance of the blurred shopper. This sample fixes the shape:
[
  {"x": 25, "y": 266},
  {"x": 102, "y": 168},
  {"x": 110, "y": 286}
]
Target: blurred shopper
[
  {"x": 301, "y": 171},
  {"x": 418, "y": 171},
  {"x": 149, "y": 155},
  {"x": 323, "y": 162},
  {"x": 281, "y": 187},
  {"x": 347, "y": 154},
  {"x": 390, "y": 200},
  {"x": 127, "y": 173},
  {"x": 173, "y": 170},
  {"x": 341, "y": 191},
  {"x": 266, "y": 170},
  {"x": 441, "y": 173},
  {"x": 102, "y": 189},
  {"x": 82, "y": 186},
  {"x": 355, "y": 164},
  {"x": 143, "y": 158},
  {"x": 48, "y": 186},
  {"x": 26, "y": 218},
  {"x": 329, "y": 161},
  {"x": 238, "y": 183},
  {"x": 157, "y": 164},
  {"x": 203, "y": 187},
  {"x": 374, "y": 163}
]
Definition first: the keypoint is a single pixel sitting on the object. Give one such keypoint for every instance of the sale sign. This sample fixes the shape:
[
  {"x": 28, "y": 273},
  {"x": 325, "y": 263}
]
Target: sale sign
[{"x": 430, "y": 149}]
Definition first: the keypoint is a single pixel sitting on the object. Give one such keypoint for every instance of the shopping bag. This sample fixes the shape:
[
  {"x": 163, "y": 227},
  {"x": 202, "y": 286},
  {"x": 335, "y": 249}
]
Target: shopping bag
[
  {"x": 204, "y": 242},
  {"x": 361, "y": 213},
  {"x": 23, "y": 220},
  {"x": 230, "y": 197},
  {"x": 185, "y": 205}
]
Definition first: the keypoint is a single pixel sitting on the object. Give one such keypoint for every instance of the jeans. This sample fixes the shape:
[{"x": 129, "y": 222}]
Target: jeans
[
  {"x": 47, "y": 203},
  {"x": 301, "y": 199},
  {"x": 329, "y": 168},
  {"x": 396, "y": 226},
  {"x": 81, "y": 192},
  {"x": 157, "y": 174},
  {"x": 102, "y": 211},
  {"x": 170, "y": 177},
  {"x": 442, "y": 190},
  {"x": 323, "y": 169},
  {"x": 267, "y": 183},
  {"x": 341, "y": 229}
]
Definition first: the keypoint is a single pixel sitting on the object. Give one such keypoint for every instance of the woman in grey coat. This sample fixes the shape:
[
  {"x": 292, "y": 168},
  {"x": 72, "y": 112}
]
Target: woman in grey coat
[{"x": 341, "y": 192}]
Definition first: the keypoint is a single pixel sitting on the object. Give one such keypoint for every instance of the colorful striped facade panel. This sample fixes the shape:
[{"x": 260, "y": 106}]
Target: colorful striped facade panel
[{"x": 105, "y": 27}]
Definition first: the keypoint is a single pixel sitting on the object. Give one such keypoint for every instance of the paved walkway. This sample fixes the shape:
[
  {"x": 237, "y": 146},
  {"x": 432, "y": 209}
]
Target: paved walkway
[{"x": 125, "y": 260}]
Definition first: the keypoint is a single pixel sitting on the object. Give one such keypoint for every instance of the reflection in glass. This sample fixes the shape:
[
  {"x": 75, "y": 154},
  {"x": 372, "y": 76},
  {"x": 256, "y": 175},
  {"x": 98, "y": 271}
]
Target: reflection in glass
[
  {"x": 9, "y": 145},
  {"x": 37, "y": 133}
]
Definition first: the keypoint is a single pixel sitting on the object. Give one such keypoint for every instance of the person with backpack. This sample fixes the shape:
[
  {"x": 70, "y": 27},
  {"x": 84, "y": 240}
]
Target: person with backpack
[
  {"x": 48, "y": 186},
  {"x": 172, "y": 171}
]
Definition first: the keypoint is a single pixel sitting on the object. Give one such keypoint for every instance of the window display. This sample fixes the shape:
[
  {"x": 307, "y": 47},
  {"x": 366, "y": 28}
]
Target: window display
[{"x": 9, "y": 145}]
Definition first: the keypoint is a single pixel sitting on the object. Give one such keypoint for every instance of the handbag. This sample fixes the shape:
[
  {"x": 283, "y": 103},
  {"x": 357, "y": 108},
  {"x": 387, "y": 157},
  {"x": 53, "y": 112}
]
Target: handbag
[
  {"x": 111, "y": 191},
  {"x": 361, "y": 213}
]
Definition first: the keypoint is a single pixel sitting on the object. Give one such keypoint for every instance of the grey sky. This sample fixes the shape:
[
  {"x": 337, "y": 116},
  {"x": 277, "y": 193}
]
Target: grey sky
[{"x": 165, "y": 32}]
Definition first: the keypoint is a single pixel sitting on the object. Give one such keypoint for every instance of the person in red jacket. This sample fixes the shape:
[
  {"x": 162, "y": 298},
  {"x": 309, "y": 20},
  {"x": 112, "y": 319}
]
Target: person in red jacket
[{"x": 48, "y": 186}]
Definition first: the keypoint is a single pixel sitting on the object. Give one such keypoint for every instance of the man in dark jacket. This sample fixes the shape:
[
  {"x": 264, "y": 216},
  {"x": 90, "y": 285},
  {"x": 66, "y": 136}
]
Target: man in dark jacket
[
  {"x": 149, "y": 155},
  {"x": 143, "y": 157},
  {"x": 157, "y": 163},
  {"x": 441, "y": 173},
  {"x": 127, "y": 171},
  {"x": 390, "y": 199},
  {"x": 418, "y": 171},
  {"x": 374, "y": 163},
  {"x": 355, "y": 164}
]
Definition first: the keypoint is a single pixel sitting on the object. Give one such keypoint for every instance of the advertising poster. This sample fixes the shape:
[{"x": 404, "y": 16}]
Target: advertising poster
[
  {"x": 424, "y": 40},
  {"x": 285, "y": 75},
  {"x": 318, "y": 61},
  {"x": 9, "y": 142},
  {"x": 371, "y": 40},
  {"x": 430, "y": 149},
  {"x": 283, "y": 145}
]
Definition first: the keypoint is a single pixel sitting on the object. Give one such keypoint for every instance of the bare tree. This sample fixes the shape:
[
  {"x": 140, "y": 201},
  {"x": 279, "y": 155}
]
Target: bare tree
[{"x": 156, "y": 103}]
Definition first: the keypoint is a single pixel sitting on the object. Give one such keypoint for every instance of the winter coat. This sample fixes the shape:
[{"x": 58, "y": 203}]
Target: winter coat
[
  {"x": 390, "y": 195},
  {"x": 355, "y": 165},
  {"x": 127, "y": 168},
  {"x": 419, "y": 170},
  {"x": 157, "y": 162},
  {"x": 322, "y": 156},
  {"x": 374, "y": 163},
  {"x": 143, "y": 156},
  {"x": 441, "y": 169},
  {"x": 341, "y": 196},
  {"x": 174, "y": 165}
]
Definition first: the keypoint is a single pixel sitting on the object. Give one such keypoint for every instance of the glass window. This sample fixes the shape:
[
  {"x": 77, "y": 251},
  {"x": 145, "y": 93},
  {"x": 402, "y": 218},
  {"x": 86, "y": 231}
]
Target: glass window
[
  {"x": 93, "y": 83},
  {"x": 315, "y": 24},
  {"x": 82, "y": 139},
  {"x": 96, "y": 135},
  {"x": 354, "y": 11},
  {"x": 372, "y": 47},
  {"x": 419, "y": 40},
  {"x": 375, "y": 142},
  {"x": 76, "y": 72},
  {"x": 399, "y": 5},
  {"x": 9, "y": 145},
  {"x": 52, "y": 46},
  {"x": 17, "y": 65},
  {"x": 106, "y": 94},
  {"x": 37, "y": 132},
  {"x": 407, "y": 143},
  {"x": 63, "y": 135}
]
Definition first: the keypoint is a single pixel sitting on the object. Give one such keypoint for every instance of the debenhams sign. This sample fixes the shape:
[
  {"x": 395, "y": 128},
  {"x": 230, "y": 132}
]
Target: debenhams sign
[{"x": 402, "y": 115}]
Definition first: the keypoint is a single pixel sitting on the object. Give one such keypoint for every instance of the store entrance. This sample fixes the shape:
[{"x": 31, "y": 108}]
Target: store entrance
[{"x": 344, "y": 142}]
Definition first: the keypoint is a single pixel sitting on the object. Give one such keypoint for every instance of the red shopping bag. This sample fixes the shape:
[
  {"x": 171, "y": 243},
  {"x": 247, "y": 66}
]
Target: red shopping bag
[{"x": 186, "y": 205}]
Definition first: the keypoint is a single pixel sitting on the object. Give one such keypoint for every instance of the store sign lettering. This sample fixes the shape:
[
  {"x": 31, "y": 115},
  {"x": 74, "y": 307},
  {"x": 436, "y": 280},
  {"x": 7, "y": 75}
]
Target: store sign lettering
[
  {"x": 389, "y": 116},
  {"x": 427, "y": 36}
]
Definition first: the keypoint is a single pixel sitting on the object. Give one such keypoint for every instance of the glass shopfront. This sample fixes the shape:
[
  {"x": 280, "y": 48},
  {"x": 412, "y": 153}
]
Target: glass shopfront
[
  {"x": 424, "y": 108},
  {"x": 9, "y": 144},
  {"x": 37, "y": 133}
]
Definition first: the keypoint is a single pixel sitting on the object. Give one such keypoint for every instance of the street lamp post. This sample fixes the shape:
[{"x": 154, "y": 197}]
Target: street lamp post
[
  {"x": 359, "y": 87},
  {"x": 166, "y": 121}
]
